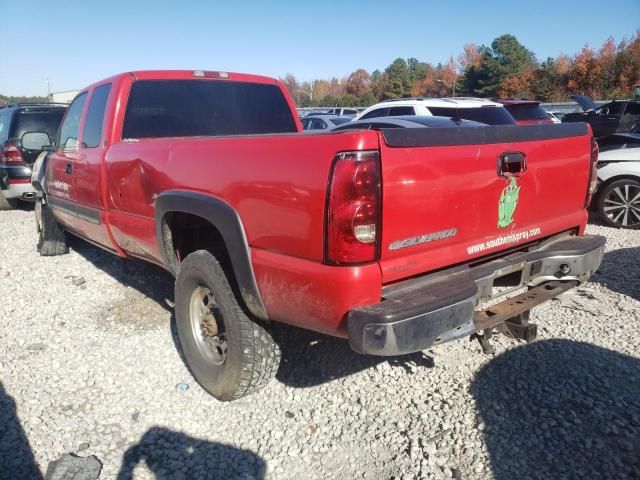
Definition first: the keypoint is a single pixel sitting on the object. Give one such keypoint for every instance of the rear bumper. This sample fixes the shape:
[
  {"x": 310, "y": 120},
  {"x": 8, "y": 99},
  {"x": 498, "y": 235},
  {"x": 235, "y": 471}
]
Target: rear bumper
[
  {"x": 15, "y": 182},
  {"x": 441, "y": 307}
]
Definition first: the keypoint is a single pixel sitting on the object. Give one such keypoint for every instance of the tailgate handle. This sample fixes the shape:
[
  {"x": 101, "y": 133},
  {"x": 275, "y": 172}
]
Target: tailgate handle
[{"x": 511, "y": 164}]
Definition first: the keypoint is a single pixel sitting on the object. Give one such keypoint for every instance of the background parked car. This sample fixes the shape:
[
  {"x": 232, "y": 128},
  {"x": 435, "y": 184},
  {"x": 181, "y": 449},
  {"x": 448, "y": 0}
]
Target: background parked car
[
  {"x": 525, "y": 112},
  {"x": 407, "y": 121},
  {"x": 556, "y": 117},
  {"x": 618, "y": 197},
  {"x": 618, "y": 116},
  {"x": 24, "y": 130},
  {"x": 476, "y": 109},
  {"x": 347, "y": 112},
  {"x": 322, "y": 122}
]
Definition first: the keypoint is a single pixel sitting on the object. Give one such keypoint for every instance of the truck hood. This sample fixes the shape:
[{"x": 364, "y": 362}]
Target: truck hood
[{"x": 585, "y": 102}]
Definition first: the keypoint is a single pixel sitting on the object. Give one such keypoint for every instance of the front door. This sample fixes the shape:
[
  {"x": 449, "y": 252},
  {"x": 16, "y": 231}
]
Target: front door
[{"x": 61, "y": 193}]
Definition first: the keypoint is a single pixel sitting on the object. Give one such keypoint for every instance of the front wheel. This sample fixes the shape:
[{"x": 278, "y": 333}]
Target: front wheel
[
  {"x": 229, "y": 354},
  {"x": 619, "y": 204},
  {"x": 52, "y": 239}
]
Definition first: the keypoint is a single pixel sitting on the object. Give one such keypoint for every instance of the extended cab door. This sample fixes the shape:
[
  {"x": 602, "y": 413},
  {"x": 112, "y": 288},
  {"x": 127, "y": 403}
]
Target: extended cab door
[{"x": 61, "y": 193}]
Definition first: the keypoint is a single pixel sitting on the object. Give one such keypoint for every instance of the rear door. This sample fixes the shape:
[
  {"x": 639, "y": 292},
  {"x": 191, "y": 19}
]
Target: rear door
[
  {"x": 86, "y": 169},
  {"x": 452, "y": 195},
  {"x": 61, "y": 193}
]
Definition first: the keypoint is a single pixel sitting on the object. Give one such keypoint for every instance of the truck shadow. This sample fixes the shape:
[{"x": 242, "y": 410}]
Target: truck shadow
[
  {"x": 308, "y": 358},
  {"x": 620, "y": 271},
  {"x": 148, "y": 279},
  {"x": 16, "y": 456},
  {"x": 170, "y": 455},
  {"x": 561, "y": 409}
]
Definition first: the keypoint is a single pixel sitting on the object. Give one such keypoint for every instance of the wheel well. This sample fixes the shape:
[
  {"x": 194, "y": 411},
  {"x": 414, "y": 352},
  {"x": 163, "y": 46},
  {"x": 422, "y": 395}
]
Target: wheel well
[{"x": 184, "y": 233}]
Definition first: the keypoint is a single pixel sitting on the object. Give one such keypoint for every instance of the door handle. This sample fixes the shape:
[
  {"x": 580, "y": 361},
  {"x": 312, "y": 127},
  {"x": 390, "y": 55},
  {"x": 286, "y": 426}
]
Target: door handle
[
  {"x": 69, "y": 168},
  {"x": 511, "y": 164}
]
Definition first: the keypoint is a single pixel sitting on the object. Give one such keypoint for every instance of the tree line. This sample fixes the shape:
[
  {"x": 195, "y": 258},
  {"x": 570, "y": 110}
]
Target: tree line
[
  {"x": 4, "y": 100},
  {"x": 506, "y": 68}
]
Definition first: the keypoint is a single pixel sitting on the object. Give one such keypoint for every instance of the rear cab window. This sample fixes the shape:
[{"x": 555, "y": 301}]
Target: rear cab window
[{"x": 188, "y": 108}]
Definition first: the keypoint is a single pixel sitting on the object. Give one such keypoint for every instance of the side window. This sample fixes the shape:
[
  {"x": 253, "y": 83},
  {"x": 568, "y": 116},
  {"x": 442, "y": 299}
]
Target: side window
[
  {"x": 68, "y": 139},
  {"x": 398, "y": 111},
  {"x": 95, "y": 116},
  {"x": 632, "y": 109},
  {"x": 305, "y": 123},
  {"x": 378, "y": 112},
  {"x": 5, "y": 118},
  {"x": 317, "y": 124}
]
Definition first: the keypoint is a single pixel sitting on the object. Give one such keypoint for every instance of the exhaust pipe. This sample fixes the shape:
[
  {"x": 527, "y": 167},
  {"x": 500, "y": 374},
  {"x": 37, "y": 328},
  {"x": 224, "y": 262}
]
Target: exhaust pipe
[{"x": 29, "y": 196}]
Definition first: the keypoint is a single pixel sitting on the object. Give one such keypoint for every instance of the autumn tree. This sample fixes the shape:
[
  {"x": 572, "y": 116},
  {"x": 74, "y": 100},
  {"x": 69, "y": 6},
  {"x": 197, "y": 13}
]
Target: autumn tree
[{"x": 358, "y": 83}]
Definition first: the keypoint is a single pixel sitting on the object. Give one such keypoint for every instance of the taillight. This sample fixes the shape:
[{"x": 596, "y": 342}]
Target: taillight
[
  {"x": 11, "y": 154},
  {"x": 353, "y": 209},
  {"x": 593, "y": 172}
]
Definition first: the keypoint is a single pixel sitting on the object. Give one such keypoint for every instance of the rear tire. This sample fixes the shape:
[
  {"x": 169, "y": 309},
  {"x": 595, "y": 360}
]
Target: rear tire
[
  {"x": 619, "y": 204},
  {"x": 7, "y": 203},
  {"x": 229, "y": 354},
  {"x": 52, "y": 240}
]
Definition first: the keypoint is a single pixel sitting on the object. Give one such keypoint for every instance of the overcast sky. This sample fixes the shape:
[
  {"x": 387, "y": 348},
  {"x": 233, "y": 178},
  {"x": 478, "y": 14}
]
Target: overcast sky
[{"x": 75, "y": 43}]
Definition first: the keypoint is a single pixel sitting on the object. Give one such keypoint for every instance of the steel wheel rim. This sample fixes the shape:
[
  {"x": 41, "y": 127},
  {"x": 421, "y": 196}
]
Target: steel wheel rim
[
  {"x": 207, "y": 325},
  {"x": 622, "y": 205}
]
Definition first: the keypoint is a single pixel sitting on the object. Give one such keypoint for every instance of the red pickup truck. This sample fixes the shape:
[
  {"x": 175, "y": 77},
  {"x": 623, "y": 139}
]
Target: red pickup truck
[{"x": 396, "y": 239}]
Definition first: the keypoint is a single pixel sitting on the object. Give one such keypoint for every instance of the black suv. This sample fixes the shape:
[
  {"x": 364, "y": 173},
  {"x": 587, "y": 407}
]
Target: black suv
[
  {"x": 24, "y": 130},
  {"x": 618, "y": 116}
]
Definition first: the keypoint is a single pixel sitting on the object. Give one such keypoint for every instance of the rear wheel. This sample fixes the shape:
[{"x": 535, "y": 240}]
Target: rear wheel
[
  {"x": 619, "y": 204},
  {"x": 52, "y": 240},
  {"x": 229, "y": 354},
  {"x": 7, "y": 203}
]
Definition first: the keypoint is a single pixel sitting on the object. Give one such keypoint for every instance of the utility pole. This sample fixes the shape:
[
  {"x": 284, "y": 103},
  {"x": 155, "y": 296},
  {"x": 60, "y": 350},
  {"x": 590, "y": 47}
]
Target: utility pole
[{"x": 48, "y": 91}]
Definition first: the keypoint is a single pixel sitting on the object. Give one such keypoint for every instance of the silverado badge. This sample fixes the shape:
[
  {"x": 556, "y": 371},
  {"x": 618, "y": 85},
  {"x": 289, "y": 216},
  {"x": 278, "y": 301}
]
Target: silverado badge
[{"x": 508, "y": 203}]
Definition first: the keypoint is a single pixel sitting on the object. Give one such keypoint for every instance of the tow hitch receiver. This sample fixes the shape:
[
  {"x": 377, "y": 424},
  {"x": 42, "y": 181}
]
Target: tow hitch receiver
[
  {"x": 511, "y": 317},
  {"x": 519, "y": 327},
  {"x": 513, "y": 307}
]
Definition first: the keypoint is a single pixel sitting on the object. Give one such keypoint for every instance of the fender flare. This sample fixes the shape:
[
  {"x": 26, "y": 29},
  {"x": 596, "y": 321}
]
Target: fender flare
[{"x": 223, "y": 217}]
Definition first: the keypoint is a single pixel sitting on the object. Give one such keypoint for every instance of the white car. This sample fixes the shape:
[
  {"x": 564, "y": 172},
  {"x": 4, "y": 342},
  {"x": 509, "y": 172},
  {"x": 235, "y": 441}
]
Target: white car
[
  {"x": 617, "y": 199},
  {"x": 476, "y": 109}
]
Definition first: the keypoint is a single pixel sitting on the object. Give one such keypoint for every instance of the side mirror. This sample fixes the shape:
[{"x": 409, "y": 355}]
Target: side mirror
[{"x": 35, "y": 140}]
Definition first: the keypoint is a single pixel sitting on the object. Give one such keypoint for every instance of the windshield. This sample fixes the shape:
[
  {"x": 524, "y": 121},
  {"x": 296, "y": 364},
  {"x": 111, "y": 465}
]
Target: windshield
[{"x": 488, "y": 115}]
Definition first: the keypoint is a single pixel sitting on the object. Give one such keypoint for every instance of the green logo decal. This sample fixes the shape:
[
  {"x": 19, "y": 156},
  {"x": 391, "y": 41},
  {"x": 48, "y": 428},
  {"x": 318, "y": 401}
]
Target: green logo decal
[{"x": 508, "y": 203}]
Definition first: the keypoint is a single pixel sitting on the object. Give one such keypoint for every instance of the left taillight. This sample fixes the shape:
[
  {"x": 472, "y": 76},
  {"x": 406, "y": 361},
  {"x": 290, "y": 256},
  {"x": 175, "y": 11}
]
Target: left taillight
[
  {"x": 593, "y": 172},
  {"x": 11, "y": 154},
  {"x": 353, "y": 209}
]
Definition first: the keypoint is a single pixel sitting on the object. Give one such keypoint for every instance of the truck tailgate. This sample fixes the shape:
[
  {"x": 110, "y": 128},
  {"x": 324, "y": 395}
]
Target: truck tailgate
[{"x": 451, "y": 195}]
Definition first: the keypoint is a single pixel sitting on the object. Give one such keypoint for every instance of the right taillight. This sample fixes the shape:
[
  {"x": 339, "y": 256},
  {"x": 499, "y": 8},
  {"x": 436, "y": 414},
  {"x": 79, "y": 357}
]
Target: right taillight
[
  {"x": 593, "y": 172},
  {"x": 11, "y": 154},
  {"x": 353, "y": 209}
]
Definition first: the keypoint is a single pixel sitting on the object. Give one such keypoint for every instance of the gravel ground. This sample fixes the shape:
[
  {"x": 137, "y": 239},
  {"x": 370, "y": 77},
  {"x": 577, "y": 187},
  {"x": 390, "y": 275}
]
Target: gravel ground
[{"x": 88, "y": 364}]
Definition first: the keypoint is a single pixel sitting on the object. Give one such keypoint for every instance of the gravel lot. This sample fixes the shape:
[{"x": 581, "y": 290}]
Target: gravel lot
[{"x": 88, "y": 364}]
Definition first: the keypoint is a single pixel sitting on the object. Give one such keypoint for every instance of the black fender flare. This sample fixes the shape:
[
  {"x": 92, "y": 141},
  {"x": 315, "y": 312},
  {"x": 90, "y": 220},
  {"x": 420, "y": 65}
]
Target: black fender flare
[{"x": 224, "y": 218}]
